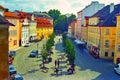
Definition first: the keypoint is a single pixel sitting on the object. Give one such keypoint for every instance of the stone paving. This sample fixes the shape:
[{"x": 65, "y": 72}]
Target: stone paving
[{"x": 30, "y": 70}]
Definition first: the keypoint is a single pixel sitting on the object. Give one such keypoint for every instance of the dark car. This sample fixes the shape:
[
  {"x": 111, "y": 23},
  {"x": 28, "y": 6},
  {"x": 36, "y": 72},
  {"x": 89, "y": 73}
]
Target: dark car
[
  {"x": 12, "y": 53},
  {"x": 18, "y": 77},
  {"x": 33, "y": 53},
  {"x": 12, "y": 70}
]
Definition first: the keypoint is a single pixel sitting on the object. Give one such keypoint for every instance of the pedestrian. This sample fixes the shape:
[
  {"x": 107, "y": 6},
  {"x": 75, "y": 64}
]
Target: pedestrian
[
  {"x": 55, "y": 63},
  {"x": 58, "y": 63},
  {"x": 56, "y": 71}
]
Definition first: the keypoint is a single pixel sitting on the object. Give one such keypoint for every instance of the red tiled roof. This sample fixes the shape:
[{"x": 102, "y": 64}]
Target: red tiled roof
[
  {"x": 1, "y": 7},
  {"x": 23, "y": 14},
  {"x": 41, "y": 22},
  {"x": 10, "y": 14}
]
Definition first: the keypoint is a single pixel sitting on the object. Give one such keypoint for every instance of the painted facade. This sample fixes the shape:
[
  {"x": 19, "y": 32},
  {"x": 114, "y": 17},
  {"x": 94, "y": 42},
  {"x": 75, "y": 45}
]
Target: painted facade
[
  {"x": 89, "y": 10},
  {"x": 117, "y": 42},
  {"x": 102, "y": 32},
  {"x": 44, "y": 28},
  {"x": 25, "y": 32},
  {"x": 13, "y": 30}
]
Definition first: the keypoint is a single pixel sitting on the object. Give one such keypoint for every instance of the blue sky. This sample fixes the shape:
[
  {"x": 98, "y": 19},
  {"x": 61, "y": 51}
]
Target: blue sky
[{"x": 65, "y": 6}]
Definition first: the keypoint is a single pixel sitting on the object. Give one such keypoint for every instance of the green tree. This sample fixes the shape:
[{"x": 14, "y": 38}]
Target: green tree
[{"x": 44, "y": 55}]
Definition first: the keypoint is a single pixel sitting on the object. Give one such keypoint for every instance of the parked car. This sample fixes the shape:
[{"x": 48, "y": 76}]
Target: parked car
[
  {"x": 117, "y": 68},
  {"x": 10, "y": 60},
  {"x": 12, "y": 53},
  {"x": 33, "y": 53},
  {"x": 27, "y": 44},
  {"x": 12, "y": 70},
  {"x": 18, "y": 77}
]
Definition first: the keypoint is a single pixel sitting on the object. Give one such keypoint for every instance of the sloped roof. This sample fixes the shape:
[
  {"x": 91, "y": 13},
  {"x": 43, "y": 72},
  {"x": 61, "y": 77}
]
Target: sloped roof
[
  {"x": 1, "y": 7},
  {"x": 10, "y": 14},
  {"x": 22, "y": 14},
  {"x": 41, "y": 15},
  {"x": 41, "y": 22},
  {"x": 103, "y": 13},
  {"x": 4, "y": 21},
  {"x": 110, "y": 20}
]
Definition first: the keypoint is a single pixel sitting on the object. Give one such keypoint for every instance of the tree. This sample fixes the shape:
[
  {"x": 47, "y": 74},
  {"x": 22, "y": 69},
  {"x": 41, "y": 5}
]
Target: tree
[{"x": 44, "y": 55}]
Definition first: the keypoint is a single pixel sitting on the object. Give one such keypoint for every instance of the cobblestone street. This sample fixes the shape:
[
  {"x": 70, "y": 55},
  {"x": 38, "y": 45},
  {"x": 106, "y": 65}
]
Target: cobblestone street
[{"x": 30, "y": 70}]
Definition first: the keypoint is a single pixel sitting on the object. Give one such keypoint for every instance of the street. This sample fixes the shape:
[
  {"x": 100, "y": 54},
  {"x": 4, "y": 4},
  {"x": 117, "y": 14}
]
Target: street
[{"x": 87, "y": 68}]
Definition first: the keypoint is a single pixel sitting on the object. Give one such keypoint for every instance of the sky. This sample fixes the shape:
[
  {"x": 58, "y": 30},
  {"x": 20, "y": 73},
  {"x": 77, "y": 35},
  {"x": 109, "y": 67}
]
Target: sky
[{"x": 65, "y": 6}]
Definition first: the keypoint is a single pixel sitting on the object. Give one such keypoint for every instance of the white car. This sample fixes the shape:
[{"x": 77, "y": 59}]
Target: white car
[
  {"x": 27, "y": 44},
  {"x": 117, "y": 68}
]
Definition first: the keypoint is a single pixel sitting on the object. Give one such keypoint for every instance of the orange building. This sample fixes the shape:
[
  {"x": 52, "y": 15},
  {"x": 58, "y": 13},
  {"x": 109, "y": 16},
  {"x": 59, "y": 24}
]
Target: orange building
[{"x": 14, "y": 30}]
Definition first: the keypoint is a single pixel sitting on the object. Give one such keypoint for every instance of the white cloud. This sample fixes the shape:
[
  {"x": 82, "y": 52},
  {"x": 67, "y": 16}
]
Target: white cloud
[{"x": 65, "y": 6}]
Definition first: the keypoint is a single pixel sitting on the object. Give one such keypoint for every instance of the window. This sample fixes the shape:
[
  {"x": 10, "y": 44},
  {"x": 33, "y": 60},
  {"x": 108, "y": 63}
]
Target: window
[
  {"x": 106, "y": 54},
  {"x": 119, "y": 34},
  {"x": 15, "y": 42},
  {"x": 107, "y": 32},
  {"x": 107, "y": 43},
  {"x": 112, "y": 54},
  {"x": 119, "y": 48}
]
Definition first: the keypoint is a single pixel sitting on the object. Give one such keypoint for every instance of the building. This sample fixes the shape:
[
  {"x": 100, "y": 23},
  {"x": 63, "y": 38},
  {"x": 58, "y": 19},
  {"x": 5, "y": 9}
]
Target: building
[
  {"x": 13, "y": 30},
  {"x": 72, "y": 29},
  {"x": 4, "y": 66},
  {"x": 2, "y": 9},
  {"x": 102, "y": 32},
  {"x": 117, "y": 42},
  {"x": 25, "y": 19},
  {"x": 44, "y": 28},
  {"x": 33, "y": 29},
  {"x": 84, "y": 30},
  {"x": 87, "y": 11}
]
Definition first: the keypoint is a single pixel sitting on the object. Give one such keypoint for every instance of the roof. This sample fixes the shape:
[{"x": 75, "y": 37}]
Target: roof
[
  {"x": 41, "y": 15},
  {"x": 10, "y": 14},
  {"x": 41, "y": 22},
  {"x": 4, "y": 21},
  {"x": 1, "y": 7},
  {"x": 110, "y": 20},
  {"x": 23, "y": 15}
]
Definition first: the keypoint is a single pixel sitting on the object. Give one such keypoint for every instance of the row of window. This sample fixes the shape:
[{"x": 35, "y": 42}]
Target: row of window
[
  {"x": 106, "y": 54},
  {"x": 12, "y": 33},
  {"x": 93, "y": 40},
  {"x": 94, "y": 30}
]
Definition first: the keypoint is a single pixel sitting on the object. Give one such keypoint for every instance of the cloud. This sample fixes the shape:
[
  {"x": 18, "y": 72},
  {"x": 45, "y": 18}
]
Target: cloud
[{"x": 65, "y": 6}]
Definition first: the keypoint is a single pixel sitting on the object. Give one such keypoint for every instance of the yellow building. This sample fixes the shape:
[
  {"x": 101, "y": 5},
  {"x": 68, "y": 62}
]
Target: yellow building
[
  {"x": 117, "y": 42},
  {"x": 14, "y": 30},
  {"x": 44, "y": 28},
  {"x": 101, "y": 33},
  {"x": 84, "y": 30}
]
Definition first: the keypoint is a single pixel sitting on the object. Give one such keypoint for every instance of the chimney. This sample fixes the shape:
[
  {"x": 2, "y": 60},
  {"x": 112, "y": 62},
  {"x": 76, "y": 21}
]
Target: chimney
[{"x": 111, "y": 7}]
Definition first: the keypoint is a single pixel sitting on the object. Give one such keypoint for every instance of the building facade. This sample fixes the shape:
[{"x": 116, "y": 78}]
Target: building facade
[
  {"x": 13, "y": 30},
  {"x": 102, "y": 32},
  {"x": 117, "y": 42},
  {"x": 87, "y": 11}
]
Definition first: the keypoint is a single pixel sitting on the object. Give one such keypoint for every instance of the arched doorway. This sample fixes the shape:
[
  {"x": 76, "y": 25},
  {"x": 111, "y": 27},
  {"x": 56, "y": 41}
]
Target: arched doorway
[{"x": 118, "y": 60}]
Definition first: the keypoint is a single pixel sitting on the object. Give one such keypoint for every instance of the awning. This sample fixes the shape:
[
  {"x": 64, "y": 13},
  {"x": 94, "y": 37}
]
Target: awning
[{"x": 79, "y": 42}]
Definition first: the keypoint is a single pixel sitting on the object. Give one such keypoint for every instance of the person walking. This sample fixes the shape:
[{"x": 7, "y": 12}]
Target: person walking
[{"x": 56, "y": 63}]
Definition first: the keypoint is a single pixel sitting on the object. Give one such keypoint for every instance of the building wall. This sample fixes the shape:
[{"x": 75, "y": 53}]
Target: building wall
[
  {"x": 44, "y": 32},
  {"x": 84, "y": 34},
  {"x": 25, "y": 34},
  {"x": 117, "y": 42},
  {"x": 91, "y": 9},
  {"x": 13, "y": 34},
  {"x": 110, "y": 36},
  {"x": 1, "y": 12},
  {"x": 32, "y": 31},
  {"x": 4, "y": 69},
  {"x": 93, "y": 35}
]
